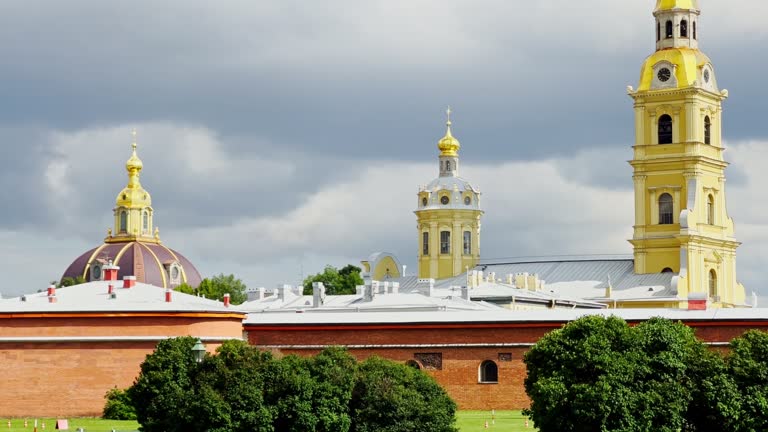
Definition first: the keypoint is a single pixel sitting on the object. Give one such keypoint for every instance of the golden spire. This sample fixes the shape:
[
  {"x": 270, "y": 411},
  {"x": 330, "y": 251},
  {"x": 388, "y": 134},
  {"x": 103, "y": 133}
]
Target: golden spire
[
  {"x": 448, "y": 145},
  {"x": 134, "y": 164}
]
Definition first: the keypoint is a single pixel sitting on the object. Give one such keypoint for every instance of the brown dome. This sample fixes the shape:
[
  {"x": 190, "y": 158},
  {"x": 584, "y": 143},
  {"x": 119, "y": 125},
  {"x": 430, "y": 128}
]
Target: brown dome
[{"x": 151, "y": 263}]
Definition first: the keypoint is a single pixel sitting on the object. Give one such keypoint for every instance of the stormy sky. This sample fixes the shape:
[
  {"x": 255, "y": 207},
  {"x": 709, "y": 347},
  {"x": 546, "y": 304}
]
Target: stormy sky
[{"x": 280, "y": 136}]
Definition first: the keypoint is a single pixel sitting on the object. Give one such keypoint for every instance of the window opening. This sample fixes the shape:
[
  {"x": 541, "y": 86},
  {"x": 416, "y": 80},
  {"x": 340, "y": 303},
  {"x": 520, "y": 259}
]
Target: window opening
[
  {"x": 445, "y": 242},
  {"x": 669, "y": 30},
  {"x": 123, "y": 222},
  {"x": 707, "y": 130},
  {"x": 666, "y": 208},
  {"x": 467, "y": 243},
  {"x": 425, "y": 243},
  {"x": 665, "y": 129},
  {"x": 489, "y": 372},
  {"x": 684, "y": 28},
  {"x": 712, "y": 283},
  {"x": 711, "y": 210}
]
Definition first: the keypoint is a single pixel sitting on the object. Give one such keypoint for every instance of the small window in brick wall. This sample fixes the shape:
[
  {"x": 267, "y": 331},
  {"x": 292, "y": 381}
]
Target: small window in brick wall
[
  {"x": 430, "y": 361},
  {"x": 505, "y": 357}
]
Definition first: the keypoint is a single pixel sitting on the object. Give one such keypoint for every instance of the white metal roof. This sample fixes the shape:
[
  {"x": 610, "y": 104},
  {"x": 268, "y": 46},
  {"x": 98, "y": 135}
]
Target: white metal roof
[{"x": 94, "y": 297}]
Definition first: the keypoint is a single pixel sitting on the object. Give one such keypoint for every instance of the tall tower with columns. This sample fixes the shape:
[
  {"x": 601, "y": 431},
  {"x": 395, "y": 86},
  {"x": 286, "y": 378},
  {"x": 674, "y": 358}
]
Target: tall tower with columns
[
  {"x": 681, "y": 222},
  {"x": 448, "y": 217}
]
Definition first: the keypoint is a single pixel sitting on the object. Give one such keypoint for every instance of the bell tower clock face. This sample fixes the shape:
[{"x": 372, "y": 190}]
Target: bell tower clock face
[{"x": 664, "y": 74}]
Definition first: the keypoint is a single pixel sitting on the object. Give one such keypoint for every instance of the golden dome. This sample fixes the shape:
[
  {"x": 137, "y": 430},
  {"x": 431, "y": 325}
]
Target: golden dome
[
  {"x": 448, "y": 145},
  {"x": 688, "y": 62},
  {"x": 666, "y": 5}
]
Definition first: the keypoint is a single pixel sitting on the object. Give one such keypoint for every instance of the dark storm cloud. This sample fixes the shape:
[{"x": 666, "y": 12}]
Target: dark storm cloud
[
  {"x": 23, "y": 154},
  {"x": 350, "y": 79}
]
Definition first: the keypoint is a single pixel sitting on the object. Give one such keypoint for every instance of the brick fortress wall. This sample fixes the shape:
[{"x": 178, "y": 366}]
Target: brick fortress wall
[
  {"x": 452, "y": 354},
  {"x": 41, "y": 375}
]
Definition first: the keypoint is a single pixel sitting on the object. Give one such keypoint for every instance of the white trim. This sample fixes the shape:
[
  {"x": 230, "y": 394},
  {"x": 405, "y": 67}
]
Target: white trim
[{"x": 69, "y": 339}]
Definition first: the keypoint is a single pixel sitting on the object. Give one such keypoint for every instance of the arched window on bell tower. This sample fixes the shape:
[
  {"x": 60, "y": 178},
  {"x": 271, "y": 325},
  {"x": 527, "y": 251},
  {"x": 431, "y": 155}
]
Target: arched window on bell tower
[
  {"x": 669, "y": 30},
  {"x": 694, "y": 30},
  {"x": 712, "y": 284},
  {"x": 684, "y": 29},
  {"x": 666, "y": 209},
  {"x": 710, "y": 210},
  {"x": 707, "y": 130},
  {"x": 665, "y": 129},
  {"x": 658, "y": 31}
]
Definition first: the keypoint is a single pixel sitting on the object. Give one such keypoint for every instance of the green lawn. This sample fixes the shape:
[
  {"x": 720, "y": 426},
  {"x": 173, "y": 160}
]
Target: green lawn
[
  {"x": 504, "y": 421},
  {"x": 468, "y": 421},
  {"x": 88, "y": 424}
]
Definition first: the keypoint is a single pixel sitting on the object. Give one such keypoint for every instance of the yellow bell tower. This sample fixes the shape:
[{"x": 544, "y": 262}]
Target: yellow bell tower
[
  {"x": 681, "y": 222},
  {"x": 133, "y": 210},
  {"x": 448, "y": 217}
]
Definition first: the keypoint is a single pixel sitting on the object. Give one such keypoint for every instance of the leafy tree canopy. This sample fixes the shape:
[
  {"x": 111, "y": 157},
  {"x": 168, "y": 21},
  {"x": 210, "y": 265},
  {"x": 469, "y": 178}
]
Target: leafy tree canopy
[
  {"x": 215, "y": 288},
  {"x": 336, "y": 281},
  {"x": 600, "y": 374},
  {"x": 242, "y": 389}
]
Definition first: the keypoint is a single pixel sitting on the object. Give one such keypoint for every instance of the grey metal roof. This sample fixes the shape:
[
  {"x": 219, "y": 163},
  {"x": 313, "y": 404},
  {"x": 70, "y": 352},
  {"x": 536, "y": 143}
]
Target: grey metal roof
[{"x": 573, "y": 277}]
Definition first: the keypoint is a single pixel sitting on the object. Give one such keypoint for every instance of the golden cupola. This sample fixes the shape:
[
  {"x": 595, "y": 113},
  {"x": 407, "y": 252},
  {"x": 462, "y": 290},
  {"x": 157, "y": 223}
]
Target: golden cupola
[
  {"x": 668, "y": 5},
  {"x": 133, "y": 209},
  {"x": 448, "y": 145}
]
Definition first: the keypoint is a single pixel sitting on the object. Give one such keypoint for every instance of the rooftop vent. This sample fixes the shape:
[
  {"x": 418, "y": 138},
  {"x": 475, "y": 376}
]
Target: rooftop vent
[{"x": 129, "y": 281}]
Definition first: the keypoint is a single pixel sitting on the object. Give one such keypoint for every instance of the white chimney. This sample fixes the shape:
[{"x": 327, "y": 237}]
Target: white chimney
[
  {"x": 318, "y": 294},
  {"x": 465, "y": 293}
]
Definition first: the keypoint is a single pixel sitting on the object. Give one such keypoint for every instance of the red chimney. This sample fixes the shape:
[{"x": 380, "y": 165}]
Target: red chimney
[
  {"x": 697, "y": 301},
  {"x": 52, "y": 298},
  {"x": 129, "y": 281},
  {"x": 110, "y": 289},
  {"x": 51, "y": 290},
  {"x": 226, "y": 300},
  {"x": 110, "y": 271},
  {"x": 167, "y": 296}
]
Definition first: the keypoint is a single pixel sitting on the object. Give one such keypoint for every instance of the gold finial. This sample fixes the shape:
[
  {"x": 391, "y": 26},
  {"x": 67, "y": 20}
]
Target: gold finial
[
  {"x": 133, "y": 139},
  {"x": 448, "y": 145}
]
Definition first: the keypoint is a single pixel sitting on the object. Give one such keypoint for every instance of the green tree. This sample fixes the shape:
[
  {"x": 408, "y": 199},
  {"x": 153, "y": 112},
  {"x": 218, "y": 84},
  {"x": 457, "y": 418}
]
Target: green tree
[
  {"x": 580, "y": 378},
  {"x": 163, "y": 390},
  {"x": 748, "y": 364},
  {"x": 337, "y": 282},
  {"x": 334, "y": 373},
  {"x": 215, "y": 288},
  {"x": 69, "y": 281},
  {"x": 600, "y": 374},
  {"x": 392, "y": 397},
  {"x": 118, "y": 406}
]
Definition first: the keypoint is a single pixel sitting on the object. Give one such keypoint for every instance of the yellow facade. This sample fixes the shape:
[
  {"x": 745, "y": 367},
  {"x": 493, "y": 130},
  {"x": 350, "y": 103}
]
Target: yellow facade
[
  {"x": 681, "y": 222},
  {"x": 448, "y": 218}
]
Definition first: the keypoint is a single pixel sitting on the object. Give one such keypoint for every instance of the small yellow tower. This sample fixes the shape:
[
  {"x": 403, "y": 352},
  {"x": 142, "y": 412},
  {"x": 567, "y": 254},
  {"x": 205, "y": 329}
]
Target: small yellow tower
[
  {"x": 448, "y": 217},
  {"x": 133, "y": 210},
  {"x": 681, "y": 223}
]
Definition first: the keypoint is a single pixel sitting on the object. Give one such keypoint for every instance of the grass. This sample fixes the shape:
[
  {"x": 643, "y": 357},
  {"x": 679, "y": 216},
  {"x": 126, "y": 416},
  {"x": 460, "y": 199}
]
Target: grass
[
  {"x": 468, "y": 421},
  {"x": 88, "y": 425},
  {"x": 503, "y": 421}
]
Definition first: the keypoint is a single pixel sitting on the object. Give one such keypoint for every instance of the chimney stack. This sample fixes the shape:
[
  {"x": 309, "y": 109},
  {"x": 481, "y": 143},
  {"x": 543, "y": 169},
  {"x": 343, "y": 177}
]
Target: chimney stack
[
  {"x": 129, "y": 281},
  {"x": 226, "y": 300},
  {"x": 110, "y": 289},
  {"x": 465, "y": 293},
  {"x": 110, "y": 271},
  {"x": 318, "y": 294},
  {"x": 255, "y": 293},
  {"x": 697, "y": 301},
  {"x": 51, "y": 290},
  {"x": 167, "y": 295}
]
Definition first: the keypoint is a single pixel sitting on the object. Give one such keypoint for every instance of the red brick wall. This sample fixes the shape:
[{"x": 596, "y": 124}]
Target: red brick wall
[
  {"x": 67, "y": 379},
  {"x": 460, "y": 365}
]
